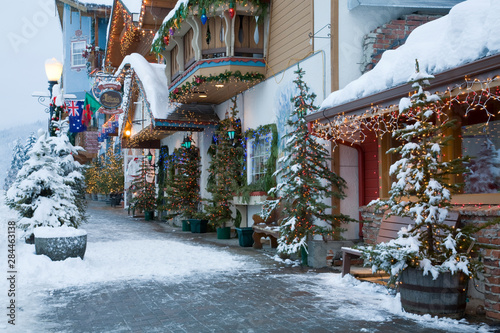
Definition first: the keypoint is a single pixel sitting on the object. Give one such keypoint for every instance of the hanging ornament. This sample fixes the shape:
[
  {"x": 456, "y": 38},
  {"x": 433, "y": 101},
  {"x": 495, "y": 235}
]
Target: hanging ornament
[
  {"x": 231, "y": 9},
  {"x": 166, "y": 40},
  {"x": 203, "y": 16},
  {"x": 171, "y": 31}
]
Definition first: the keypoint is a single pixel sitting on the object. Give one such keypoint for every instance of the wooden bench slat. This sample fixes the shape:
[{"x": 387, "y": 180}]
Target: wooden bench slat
[{"x": 389, "y": 228}]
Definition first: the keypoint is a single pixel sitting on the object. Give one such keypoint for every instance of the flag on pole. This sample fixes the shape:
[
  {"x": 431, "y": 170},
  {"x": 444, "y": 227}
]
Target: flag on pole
[
  {"x": 91, "y": 106},
  {"x": 75, "y": 112}
]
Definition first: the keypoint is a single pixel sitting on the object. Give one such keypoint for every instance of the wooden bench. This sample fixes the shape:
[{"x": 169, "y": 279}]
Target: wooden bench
[
  {"x": 268, "y": 228},
  {"x": 389, "y": 229}
]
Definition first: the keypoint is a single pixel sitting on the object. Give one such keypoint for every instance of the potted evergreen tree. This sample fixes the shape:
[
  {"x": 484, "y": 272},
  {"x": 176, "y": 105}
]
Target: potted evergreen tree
[
  {"x": 182, "y": 188},
  {"x": 305, "y": 180},
  {"x": 225, "y": 173},
  {"x": 428, "y": 258},
  {"x": 49, "y": 195},
  {"x": 144, "y": 192}
]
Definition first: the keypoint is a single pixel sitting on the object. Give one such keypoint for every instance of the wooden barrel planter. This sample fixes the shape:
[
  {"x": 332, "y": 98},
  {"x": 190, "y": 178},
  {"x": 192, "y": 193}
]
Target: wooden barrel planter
[{"x": 444, "y": 297}]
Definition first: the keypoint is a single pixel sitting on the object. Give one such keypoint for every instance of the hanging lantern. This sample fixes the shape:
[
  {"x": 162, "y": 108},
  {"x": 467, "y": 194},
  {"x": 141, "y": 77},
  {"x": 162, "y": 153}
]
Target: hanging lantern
[
  {"x": 203, "y": 16},
  {"x": 231, "y": 132},
  {"x": 187, "y": 144},
  {"x": 149, "y": 157},
  {"x": 231, "y": 9}
]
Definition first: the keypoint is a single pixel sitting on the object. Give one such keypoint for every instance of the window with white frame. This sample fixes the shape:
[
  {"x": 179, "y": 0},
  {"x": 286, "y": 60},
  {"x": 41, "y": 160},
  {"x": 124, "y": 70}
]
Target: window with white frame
[
  {"x": 77, "y": 49},
  {"x": 259, "y": 153}
]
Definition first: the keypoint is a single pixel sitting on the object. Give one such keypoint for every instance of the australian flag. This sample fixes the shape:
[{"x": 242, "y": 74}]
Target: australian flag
[{"x": 75, "y": 112}]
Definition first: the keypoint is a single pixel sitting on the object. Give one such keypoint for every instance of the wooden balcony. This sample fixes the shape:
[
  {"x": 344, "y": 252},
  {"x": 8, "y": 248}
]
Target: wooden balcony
[
  {"x": 214, "y": 81},
  {"x": 214, "y": 61}
]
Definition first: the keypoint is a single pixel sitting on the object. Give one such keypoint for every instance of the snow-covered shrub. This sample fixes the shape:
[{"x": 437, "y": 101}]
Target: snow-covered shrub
[{"x": 49, "y": 189}]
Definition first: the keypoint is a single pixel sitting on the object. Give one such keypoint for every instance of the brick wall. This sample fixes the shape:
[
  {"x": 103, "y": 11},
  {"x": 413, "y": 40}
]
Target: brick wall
[
  {"x": 489, "y": 237},
  {"x": 389, "y": 37}
]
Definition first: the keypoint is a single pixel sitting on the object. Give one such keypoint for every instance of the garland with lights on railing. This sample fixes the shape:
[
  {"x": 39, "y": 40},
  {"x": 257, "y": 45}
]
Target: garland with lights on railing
[
  {"x": 472, "y": 94},
  {"x": 199, "y": 7},
  {"x": 268, "y": 180},
  {"x": 187, "y": 88}
]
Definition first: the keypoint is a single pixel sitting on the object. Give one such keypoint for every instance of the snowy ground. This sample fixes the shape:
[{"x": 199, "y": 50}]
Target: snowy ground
[{"x": 128, "y": 254}]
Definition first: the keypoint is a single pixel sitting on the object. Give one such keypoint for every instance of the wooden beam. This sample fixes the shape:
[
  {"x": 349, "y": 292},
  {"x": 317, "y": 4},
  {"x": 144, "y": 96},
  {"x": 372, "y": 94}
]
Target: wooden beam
[{"x": 334, "y": 45}]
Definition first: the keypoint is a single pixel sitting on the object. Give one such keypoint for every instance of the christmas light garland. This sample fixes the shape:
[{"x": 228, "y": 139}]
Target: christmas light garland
[{"x": 474, "y": 94}]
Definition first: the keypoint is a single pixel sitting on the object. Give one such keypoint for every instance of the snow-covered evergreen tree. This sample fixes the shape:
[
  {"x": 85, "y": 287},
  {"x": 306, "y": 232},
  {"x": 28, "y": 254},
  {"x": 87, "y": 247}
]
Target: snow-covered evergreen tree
[
  {"x": 49, "y": 189},
  {"x": 422, "y": 175},
  {"x": 485, "y": 171},
  {"x": 306, "y": 180},
  {"x": 18, "y": 158},
  {"x": 30, "y": 141}
]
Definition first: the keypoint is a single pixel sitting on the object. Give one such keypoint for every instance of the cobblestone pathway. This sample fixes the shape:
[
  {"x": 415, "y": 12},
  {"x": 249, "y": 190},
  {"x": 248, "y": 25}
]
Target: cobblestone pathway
[{"x": 272, "y": 299}]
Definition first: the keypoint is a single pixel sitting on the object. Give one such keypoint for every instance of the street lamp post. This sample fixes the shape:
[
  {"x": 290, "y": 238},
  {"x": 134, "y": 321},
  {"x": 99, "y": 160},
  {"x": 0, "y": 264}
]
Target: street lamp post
[{"x": 53, "y": 70}]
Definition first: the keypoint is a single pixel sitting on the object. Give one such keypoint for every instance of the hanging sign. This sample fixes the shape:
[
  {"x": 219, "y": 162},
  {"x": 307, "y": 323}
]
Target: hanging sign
[
  {"x": 110, "y": 99},
  {"x": 110, "y": 111}
]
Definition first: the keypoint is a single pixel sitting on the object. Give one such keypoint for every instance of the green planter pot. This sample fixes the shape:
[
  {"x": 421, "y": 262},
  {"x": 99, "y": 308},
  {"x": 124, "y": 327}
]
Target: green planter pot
[
  {"x": 186, "y": 226},
  {"x": 198, "y": 226},
  {"x": 303, "y": 255},
  {"x": 148, "y": 216},
  {"x": 245, "y": 236},
  {"x": 224, "y": 233}
]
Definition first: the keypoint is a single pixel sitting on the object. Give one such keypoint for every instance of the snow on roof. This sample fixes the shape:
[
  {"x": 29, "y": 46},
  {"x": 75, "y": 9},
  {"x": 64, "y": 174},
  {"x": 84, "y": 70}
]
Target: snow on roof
[
  {"x": 468, "y": 33},
  {"x": 171, "y": 14},
  {"x": 154, "y": 82},
  {"x": 133, "y": 6},
  {"x": 96, "y": 2}
]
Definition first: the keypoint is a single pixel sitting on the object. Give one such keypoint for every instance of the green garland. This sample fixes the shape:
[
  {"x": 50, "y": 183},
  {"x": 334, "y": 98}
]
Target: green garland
[
  {"x": 183, "y": 11},
  {"x": 221, "y": 78},
  {"x": 269, "y": 180}
]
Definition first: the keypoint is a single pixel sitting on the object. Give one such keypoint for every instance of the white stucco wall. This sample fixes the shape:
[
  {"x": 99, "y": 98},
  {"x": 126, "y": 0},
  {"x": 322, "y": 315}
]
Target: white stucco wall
[{"x": 353, "y": 26}]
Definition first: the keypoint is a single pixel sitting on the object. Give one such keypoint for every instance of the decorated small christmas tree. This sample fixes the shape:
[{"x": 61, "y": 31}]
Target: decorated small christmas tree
[
  {"x": 306, "y": 180},
  {"x": 143, "y": 189},
  {"x": 49, "y": 189},
  {"x": 225, "y": 169},
  {"x": 422, "y": 191},
  {"x": 183, "y": 187},
  {"x": 18, "y": 158}
]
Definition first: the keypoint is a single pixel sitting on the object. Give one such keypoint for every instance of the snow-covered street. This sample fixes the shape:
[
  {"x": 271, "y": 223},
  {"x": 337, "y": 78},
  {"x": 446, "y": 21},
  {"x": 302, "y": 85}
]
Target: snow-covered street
[{"x": 149, "y": 277}]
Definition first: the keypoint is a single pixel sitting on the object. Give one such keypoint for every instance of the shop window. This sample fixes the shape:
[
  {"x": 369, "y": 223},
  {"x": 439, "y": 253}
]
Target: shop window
[
  {"x": 259, "y": 153},
  {"x": 77, "y": 49},
  {"x": 481, "y": 142}
]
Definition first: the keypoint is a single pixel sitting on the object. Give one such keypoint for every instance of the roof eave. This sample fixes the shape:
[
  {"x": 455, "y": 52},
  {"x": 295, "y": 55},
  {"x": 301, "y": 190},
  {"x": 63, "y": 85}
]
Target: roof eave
[{"x": 481, "y": 69}]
